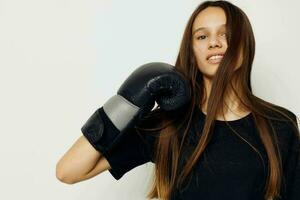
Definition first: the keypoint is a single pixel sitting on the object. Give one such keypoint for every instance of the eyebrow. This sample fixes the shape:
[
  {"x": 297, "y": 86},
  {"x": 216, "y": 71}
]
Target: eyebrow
[{"x": 202, "y": 28}]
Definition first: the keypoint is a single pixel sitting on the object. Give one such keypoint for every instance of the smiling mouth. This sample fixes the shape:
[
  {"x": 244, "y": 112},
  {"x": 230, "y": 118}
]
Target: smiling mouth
[{"x": 215, "y": 59}]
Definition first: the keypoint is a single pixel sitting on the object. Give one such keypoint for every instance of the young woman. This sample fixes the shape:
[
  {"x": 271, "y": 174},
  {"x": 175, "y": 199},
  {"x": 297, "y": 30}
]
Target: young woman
[{"x": 226, "y": 143}]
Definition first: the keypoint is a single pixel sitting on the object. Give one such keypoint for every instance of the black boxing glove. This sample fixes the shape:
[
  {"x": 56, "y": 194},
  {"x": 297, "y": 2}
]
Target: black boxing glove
[{"x": 135, "y": 98}]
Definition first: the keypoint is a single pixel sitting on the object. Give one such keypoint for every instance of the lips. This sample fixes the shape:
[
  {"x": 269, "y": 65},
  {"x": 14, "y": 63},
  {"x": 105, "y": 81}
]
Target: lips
[{"x": 215, "y": 56}]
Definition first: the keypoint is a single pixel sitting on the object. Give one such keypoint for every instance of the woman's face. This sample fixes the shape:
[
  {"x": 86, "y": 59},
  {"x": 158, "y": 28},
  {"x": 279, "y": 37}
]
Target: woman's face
[{"x": 209, "y": 39}]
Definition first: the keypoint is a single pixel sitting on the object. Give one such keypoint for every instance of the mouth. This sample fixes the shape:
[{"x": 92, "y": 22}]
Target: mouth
[{"x": 215, "y": 59}]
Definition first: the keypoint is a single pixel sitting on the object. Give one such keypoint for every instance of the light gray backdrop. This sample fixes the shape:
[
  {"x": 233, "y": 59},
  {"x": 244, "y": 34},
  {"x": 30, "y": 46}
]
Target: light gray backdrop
[{"x": 60, "y": 60}]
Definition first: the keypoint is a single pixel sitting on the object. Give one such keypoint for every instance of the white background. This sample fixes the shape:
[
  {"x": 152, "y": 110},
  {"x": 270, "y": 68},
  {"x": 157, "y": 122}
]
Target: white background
[{"x": 60, "y": 60}]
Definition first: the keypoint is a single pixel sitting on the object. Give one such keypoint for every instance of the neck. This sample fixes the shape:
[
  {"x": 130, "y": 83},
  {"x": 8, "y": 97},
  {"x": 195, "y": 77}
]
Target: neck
[{"x": 232, "y": 104}]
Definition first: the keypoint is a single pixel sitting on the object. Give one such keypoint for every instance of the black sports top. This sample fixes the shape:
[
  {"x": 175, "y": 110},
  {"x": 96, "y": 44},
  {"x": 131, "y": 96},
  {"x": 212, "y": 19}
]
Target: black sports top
[{"x": 229, "y": 168}]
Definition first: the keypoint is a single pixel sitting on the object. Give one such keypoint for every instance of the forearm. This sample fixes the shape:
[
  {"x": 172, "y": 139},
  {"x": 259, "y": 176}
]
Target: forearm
[{"x": 78, "y": 161}]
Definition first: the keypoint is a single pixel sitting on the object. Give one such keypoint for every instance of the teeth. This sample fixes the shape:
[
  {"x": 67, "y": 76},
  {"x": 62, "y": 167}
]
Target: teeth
[{"x": 215, "y": 57}]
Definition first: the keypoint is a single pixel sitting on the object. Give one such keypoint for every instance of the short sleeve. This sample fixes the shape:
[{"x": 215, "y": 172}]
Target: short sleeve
[
  {"x": 292, "y": 167},
  {"x": 135, "y": 149}
]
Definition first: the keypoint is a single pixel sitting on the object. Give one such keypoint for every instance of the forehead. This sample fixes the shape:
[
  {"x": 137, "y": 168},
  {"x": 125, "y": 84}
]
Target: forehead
[{"x": 211, "y": 17}]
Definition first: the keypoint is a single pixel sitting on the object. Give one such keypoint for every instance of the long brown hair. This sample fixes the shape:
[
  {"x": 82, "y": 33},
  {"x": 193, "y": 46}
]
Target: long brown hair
[{"x": 168, "y": 173}]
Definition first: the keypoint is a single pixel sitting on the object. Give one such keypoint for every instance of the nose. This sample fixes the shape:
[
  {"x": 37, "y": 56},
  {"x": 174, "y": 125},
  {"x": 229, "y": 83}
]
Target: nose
[{"x": 214, "y": 42}]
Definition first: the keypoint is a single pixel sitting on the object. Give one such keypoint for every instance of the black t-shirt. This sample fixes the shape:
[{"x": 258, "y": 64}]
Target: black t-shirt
[{"x": 229, "y": 167}]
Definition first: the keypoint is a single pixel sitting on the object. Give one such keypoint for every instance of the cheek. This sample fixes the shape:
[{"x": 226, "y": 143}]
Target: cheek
[
  {"x": 199, "y": 51},
  {"x": 224, "y": 44}
]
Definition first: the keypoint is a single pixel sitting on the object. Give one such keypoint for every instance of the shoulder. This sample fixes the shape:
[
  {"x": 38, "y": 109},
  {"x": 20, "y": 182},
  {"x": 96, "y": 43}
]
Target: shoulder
[
  {"x": 285, "y": 123},
  {"x": 284, "y": 117}
]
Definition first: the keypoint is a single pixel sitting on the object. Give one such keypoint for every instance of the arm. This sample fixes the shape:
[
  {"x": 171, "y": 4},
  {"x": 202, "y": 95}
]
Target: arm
[
  {"x": 292, "y": 166},
  {"x": 80, "y": 162},
  {"x": 109, "y": 124}
]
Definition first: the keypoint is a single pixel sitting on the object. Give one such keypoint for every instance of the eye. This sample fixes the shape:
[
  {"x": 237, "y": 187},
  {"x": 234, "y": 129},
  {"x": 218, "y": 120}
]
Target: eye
[{"x": 201, "y": 37}]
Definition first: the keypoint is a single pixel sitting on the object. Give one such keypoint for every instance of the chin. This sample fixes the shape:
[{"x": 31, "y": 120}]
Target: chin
[
  {"x": 208, "y": 75},
  {"x": 209, "y": 70}
]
